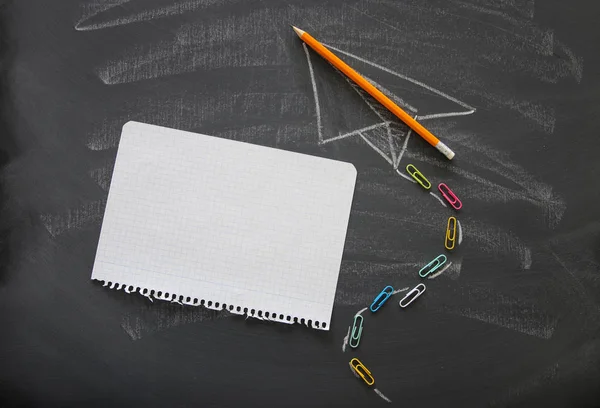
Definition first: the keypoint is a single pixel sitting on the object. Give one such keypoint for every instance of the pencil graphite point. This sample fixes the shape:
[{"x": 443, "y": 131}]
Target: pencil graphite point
[{"x": 298, "y": 31}]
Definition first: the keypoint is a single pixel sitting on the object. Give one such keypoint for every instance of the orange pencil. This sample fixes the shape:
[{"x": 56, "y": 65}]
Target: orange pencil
[{"x": 374, "y": 92}]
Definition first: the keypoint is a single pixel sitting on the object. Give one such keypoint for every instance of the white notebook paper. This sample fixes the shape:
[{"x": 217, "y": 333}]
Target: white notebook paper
[{"x": 225, "y": 224}]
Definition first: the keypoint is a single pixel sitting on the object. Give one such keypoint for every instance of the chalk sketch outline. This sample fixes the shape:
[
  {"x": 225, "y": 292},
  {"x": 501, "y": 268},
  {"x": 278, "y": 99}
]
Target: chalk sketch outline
[{"x": 396, "y": 158}]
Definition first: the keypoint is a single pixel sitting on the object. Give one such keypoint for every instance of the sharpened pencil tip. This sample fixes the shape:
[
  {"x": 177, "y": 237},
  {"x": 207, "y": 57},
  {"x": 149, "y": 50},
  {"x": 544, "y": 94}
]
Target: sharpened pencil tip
[{"x": 298, "y": 31}]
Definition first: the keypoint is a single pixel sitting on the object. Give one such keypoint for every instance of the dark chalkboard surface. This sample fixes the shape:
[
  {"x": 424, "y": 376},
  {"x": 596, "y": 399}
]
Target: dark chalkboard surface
[{"x": 511, "y": 85}]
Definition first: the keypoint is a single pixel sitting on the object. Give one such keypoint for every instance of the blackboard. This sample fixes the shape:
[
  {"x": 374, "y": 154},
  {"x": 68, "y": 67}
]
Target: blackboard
[{"x": 512, "y": 86}]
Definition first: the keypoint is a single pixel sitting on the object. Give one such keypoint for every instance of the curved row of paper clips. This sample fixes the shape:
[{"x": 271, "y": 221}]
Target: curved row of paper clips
[{"x": 433, "y": 267}]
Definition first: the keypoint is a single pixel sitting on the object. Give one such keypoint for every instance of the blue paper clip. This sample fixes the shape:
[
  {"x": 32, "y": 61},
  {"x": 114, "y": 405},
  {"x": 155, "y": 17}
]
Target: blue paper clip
[
  {"x": 433, "y": 266},
  {"x": 357, "y": 328},
  {"x": 412, "y": 295},
  {"x": 381, "y": 298}
]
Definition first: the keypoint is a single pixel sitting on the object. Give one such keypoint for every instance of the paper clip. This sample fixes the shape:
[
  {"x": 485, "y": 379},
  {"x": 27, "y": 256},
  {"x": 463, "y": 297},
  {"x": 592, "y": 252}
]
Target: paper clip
[
  {"x": 418, "y": 176},
  {"x": 412, "y": 295},
  {"x": 360, "y": 369},
  {"x": 357, "y": 328},
  {"x": 381, "y": 298},
  {"x": 450, "y": 233},
  {"x": 433, "y": 266},
  {"x": 450, "y": 196}
]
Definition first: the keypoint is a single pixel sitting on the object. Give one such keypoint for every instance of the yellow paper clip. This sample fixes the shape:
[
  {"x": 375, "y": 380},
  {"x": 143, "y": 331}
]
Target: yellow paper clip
[
  {"x": 360, "y": 369},
  {"x": 418, "y": 176},
  {"x": 450, "y": 233}
]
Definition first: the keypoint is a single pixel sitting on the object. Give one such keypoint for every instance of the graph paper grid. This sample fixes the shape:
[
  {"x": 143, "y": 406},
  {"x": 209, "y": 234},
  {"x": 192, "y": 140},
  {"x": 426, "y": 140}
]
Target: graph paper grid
[{"x": 225, "y": 224}]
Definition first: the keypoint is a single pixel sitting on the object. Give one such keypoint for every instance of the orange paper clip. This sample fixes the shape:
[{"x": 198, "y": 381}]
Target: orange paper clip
[
  {"x": 360, "y": 369},
  {"x": 450, "y": 196}
]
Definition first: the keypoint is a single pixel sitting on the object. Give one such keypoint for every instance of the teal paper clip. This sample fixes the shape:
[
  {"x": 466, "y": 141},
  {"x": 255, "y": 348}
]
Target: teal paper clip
[
  {"x": 357, "y": 328},
  {"x": 432, "y": 266},
  {"x": 381, "y": 298}
]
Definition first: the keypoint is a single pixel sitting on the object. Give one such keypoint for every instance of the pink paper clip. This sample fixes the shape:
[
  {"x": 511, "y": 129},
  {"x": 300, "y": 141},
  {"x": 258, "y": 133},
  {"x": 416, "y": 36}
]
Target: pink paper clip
[{"x": 450, "y": 196}]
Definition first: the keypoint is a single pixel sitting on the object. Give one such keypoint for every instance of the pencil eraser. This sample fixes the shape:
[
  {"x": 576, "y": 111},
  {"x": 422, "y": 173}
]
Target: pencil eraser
[{"x": 445, "y": 150}]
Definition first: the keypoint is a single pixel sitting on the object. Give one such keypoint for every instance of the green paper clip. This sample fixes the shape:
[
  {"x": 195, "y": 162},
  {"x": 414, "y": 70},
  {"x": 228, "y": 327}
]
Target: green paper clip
[
  {"x": 432, "y": 266},
  {"x": 418, "y": 176},
  {"x": 357, "y": 328}
]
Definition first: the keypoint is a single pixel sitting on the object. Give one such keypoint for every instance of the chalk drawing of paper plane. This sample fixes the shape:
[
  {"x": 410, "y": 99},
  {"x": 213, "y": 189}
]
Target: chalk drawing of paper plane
[{"x": 344, "y": 110}]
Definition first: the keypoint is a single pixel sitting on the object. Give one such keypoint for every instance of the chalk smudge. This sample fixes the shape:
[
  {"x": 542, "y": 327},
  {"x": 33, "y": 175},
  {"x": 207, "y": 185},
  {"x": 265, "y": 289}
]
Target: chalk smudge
[
  {"x": 438, "y": 273},
  {"x": 543, "y": 379},
  {"x": 102, "y": 175},
  {"x": 492, "y": 239},
  {"x": 345, "y": 343},
  {"x": 353, "y": 371},
  {"x": 86, "y": 23},
  {"x": 521, "y": 324},
  {"x": 437, "y": 197},
  {"x": 468, "y": 108},
  {"x": 165, "y": 315},
  {"x": 95, "y": 7},
  {"x": 460, "y": 235},
  {"x": 400, "y": 290},
  {"x": 453, "y": 271},
  {"x": 503, "y": 311},
  {"x": 219, "y": 43},
  {"x": 530, "y": 190},
  {"x": 496, "y": 241},
  {"x": 575, "y": 286},
  {"x": 87, "y": 213},
  {"x": 381, "y": 395},
  {"x": 191, "y": 112},
  {"x": 360, "y": 312}
]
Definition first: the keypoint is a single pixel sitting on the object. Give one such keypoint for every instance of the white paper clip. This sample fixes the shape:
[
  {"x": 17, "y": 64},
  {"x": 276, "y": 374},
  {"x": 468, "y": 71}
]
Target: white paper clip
[{"x": 412, "y": 295}]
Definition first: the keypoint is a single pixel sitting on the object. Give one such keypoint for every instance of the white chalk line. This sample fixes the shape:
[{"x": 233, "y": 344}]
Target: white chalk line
[
  {"x": 356, "y": 89},
  {"x": 381, "y": 395},
  {"x": 360, "y": 312},
  {"x": 438, "y": 198},
  {"x": 384, "y": 90},
  {"x": 100, "y": 8},
  {"x": 460, "y": 235},
  {"x": 346, "y": 341},
  {"x": 446, "y": 115},
  {"x": 382, "y": 154},
  {"x": 487, "y": 10},
  {"x": 353, "y": 133},
  {"x": 178, "y": 8},
  {"x": 435, "y": 275},
  {"x": 315, "y": 93},
  {"x": 469, "y": 19},
  {"x": 404, "y": 146},
  {"x": 353, "y": 371},
  {"x": 380, "y": 116},
  {"x": 391, "y": 143},
  {"x": 406, "y": 78},
  {"x": 400, "y": 290},
  {"x": 404, "y": 176}
]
